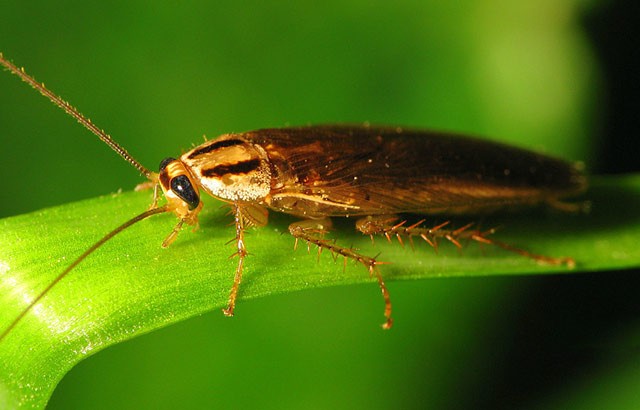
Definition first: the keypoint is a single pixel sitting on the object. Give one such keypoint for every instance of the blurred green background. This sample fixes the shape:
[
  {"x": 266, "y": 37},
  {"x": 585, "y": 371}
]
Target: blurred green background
[{"x": 541, "y": 74}]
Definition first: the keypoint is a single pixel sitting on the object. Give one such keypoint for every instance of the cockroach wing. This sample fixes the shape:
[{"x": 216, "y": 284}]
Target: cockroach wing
[{"x": 349, "y": 170}]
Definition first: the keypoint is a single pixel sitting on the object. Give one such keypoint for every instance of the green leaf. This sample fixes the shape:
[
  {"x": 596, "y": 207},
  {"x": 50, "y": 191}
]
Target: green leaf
[{"x": 131, "y": 286}]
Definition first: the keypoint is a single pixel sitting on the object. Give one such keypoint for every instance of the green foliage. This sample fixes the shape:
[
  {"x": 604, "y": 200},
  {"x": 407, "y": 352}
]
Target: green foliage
[{"x": 131, "y": 286}]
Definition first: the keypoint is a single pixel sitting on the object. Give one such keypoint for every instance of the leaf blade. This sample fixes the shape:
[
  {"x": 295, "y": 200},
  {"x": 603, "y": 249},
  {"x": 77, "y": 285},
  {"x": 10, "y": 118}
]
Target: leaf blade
[{"x": 131, "y": 286}]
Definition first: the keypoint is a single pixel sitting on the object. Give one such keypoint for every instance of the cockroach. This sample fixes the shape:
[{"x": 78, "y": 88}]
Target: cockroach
[{"x": 319, "y": 172}]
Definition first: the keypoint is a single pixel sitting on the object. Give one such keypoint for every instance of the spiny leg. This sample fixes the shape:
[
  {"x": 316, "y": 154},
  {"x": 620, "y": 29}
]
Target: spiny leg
[
  {"x": 173, "y": 235},
  {"x": 241, "y": 252},
  {"x": 388, "y": 226},
  {"x": 190, "y": 219},
  {"x": 151, "y": 183},
  {"x": 312, "y": 231}
]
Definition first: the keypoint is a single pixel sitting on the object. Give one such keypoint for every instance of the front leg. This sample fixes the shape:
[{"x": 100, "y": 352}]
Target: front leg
[
  {"x": 312, "y": 232},
  {"x": 241, "y": 252},
  {"x": 151, "y": 183}
]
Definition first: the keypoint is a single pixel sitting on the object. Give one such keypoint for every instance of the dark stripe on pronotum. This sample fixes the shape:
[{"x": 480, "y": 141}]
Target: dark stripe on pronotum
[
  {"x": 238, "y": 168},
  {"x": 214, "y": 146}
]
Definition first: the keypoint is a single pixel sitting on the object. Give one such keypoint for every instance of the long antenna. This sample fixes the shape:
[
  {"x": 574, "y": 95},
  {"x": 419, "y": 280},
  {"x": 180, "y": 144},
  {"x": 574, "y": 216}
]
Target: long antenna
[
  {"x": 72, "y": 111},
  {"x": 144, "y": 215}
]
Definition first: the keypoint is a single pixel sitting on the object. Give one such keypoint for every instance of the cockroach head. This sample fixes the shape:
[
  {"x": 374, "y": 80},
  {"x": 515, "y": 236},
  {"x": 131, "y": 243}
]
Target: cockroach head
[{"x": 179, "y": 187}]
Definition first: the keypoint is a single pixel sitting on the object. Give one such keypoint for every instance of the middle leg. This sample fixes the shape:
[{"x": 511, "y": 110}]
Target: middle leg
[{"x": 312, "y": 232}]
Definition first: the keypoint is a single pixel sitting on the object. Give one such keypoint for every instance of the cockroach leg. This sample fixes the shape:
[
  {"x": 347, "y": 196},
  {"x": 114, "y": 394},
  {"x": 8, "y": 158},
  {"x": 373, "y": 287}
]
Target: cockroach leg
[
  {"x": 241, "y": 253},
  {"x": 143, "y": 186},
  {"x": 385, "y": 225},
  {"x": 154, "y": 202},
  {"x": 316, "y": 227},
  {"x": 569, "y": 207},
  {"x": 543, "y": 259},
  {"x": 385, "y": 295},
  {"x": 312, "y": 231},
  {"x": 173, "y": 235},
  {"x": 151, "y": 183}
]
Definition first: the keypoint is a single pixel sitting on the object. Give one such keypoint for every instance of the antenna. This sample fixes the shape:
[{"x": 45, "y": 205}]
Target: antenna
[
  {"x": 135, "y": 219},
  {"x": 72, "y": 111}
]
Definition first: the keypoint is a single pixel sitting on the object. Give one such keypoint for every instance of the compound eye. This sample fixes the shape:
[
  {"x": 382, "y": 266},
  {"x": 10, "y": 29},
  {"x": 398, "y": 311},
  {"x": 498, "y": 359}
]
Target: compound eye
[{"x": 182, "y": 187}]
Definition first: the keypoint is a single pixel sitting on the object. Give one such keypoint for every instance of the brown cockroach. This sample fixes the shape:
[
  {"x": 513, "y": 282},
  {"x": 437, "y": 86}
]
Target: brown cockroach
[{"x": 319, "y": 172}]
